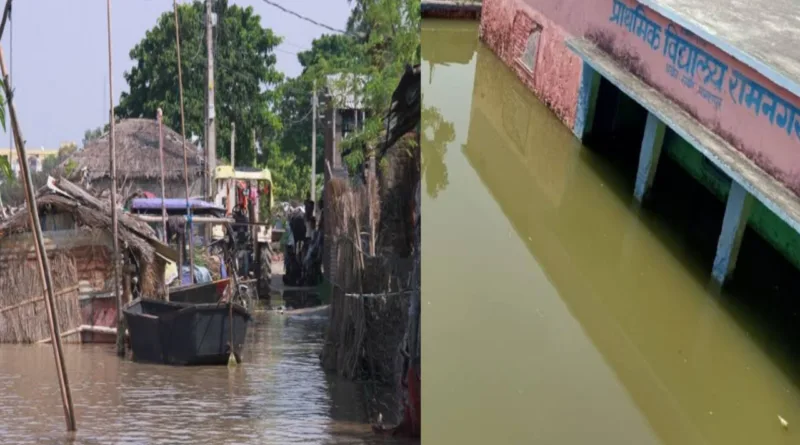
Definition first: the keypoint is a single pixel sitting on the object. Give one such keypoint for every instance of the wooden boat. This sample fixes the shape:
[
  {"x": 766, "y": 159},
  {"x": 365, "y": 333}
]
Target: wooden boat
[
  {"x": 200, "y": 293},
  {"x": 185, "y": 333}
]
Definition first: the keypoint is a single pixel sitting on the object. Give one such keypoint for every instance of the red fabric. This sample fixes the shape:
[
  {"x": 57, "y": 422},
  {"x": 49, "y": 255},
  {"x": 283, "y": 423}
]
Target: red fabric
[
  {"x": 413, "y": 412},
  {"x": 410, "y": 426},
  {"x": 242, "y": 197},
  {"x": 221, "y": 285}
]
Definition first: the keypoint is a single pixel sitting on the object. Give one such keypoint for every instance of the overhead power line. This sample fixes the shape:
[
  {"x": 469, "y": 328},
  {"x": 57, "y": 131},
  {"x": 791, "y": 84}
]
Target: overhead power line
[{"x": 303, "y": 17}]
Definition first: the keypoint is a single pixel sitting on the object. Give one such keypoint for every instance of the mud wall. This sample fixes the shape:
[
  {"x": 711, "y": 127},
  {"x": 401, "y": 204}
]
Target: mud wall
[{"x": 759, "y": 118}]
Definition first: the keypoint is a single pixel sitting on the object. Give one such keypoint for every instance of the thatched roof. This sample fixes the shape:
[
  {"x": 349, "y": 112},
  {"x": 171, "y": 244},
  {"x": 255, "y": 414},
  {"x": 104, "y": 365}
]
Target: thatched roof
[
  {"x": 137, "y": 154},
  {"x": 89, "y": 212}
]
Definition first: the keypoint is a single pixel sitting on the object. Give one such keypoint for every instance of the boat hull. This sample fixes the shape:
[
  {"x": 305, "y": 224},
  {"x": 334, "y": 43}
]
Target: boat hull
[
  {"x": 199, "y": 293},
  {"x": 185, "y": 334}
]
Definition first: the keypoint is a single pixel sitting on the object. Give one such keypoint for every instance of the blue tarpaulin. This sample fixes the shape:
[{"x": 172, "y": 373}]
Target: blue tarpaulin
[
  {"x": 201, "y": 275},
  {"x": 173, "y": 204}
]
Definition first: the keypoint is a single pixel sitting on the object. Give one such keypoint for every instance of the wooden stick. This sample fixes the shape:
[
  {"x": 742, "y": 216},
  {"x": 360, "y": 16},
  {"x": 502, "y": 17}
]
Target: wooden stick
[
  {"x": 183, "y": 145},
  {"x": 85, "y": 328},
  {"x": 160, "y": 118},
  {"x": 114, "y": 220},
  {"x": 41, "y": 253},
  {"x": 6, "y": 13},
  {"x": 63, "y": 334},
  {"x": 28, "y": 301}
]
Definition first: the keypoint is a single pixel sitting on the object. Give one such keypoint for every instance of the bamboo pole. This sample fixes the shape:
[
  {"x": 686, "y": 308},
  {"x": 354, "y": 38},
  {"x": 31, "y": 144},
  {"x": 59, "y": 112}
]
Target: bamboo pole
[
  {"x": 160, "y": 117},
  {"x": 233, "y": 146},
  {"x": 41, "y": 253},
  {"x": 114, "y": 220},
  {"x": 183, "y": 146}
]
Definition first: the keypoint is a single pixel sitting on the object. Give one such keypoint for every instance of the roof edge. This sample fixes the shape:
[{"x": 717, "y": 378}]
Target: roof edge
[{"x": 760, "y": 67}]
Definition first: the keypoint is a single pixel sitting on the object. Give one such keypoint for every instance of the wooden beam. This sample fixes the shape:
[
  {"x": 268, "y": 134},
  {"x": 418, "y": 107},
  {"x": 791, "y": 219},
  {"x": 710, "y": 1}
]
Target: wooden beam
[{"x": 28, "y": 301}]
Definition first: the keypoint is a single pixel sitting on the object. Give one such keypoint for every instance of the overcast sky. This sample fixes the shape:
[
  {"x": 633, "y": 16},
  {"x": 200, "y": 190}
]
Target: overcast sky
[{"x": 60, "y": 56}]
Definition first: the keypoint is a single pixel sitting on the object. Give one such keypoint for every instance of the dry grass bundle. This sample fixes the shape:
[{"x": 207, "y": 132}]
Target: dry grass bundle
[
  {"x": 372, "y": 237},
  {"x": 372, "y": 263},
  {"x": 137, "y": 147},
  {"x": 23, "y": 317},
  {"x": 346, "y": 330}
]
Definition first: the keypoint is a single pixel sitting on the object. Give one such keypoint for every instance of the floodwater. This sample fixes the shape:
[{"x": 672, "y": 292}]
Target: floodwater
[
  {"x": 278, "y": 395},
  {"x": 557, "y": 312}
]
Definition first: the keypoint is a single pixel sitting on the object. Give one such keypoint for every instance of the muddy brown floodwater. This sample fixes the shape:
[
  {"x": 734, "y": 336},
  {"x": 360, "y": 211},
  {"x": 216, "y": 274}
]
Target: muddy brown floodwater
[
  {"x": 554, "y": 310},
  {"x": 279, "y": 395}
]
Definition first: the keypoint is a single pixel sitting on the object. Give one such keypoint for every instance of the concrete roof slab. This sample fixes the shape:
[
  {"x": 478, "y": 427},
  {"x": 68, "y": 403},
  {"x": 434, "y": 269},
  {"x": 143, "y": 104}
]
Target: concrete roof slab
[{"x": 763, "y": 34}]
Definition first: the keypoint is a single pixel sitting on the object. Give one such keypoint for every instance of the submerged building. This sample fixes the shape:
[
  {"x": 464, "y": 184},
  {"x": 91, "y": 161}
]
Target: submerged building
[{"x": 713, "y": 85}]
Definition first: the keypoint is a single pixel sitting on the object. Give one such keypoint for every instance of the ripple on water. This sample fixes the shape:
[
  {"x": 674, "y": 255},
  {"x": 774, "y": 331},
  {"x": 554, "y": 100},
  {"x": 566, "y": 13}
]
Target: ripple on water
[{"x": 278, "y": 395}]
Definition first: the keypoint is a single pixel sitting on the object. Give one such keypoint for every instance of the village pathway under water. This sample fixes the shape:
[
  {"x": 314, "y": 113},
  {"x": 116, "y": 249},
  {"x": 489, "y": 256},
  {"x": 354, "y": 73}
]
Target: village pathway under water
[{"x": 278, "y": 395}]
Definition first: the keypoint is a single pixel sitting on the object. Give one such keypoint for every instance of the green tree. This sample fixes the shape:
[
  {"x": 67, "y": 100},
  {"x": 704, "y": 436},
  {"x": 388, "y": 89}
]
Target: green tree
[
  {"x": 5, "y": 169},
  {"x": 244, "y": 74},
  {"x": 6, "y": 174},
  {"x": 12, "y": 191},
  {"x": 290, "y": 160},
  {"x": 92, "y": 134},
  {"x": 388, "y": 36},
  {"x": 382, "y": 37}
]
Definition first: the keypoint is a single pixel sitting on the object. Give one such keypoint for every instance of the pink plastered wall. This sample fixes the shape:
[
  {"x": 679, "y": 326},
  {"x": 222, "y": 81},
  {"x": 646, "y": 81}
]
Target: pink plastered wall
[{"x": 773, "y": 143}]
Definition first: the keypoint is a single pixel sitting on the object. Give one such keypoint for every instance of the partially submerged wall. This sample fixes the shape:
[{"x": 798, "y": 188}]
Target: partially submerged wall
[{"x": 759, "y": 118}]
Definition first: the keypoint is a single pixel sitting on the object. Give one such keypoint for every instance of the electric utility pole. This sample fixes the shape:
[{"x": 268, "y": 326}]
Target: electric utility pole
[
  {"x": 314, "y": 143},
  {"x": 255, "y": 147},
  {"x": 211, "y": 121}
]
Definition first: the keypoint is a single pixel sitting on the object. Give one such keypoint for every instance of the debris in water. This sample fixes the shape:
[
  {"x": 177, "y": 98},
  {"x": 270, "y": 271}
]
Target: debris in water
[
  {"x": 784, "y": 423},
  {"x": 232, "y": 361}
]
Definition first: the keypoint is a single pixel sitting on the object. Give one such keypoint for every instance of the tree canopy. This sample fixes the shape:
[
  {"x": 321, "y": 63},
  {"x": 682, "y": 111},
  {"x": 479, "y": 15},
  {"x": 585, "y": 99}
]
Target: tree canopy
[
  {"x": 382, "y": 37},
  {"x": 291, "y": 159},
  {"x": 244, "y": 71},
  {"x": 388, "y": 36},
  {"x": 5, "y": 166}
]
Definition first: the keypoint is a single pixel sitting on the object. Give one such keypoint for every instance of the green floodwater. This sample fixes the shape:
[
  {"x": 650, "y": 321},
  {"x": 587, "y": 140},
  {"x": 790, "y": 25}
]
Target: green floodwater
[{"x": 554, "y": 312}]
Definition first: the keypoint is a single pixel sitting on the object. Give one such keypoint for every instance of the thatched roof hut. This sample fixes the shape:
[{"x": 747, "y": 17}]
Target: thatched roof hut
[
  {"x": 137, "y": 154},
  {"x": 79, "y": 242}
]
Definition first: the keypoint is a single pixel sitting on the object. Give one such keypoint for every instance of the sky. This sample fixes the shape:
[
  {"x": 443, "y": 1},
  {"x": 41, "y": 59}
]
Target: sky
[{"x": 59, "y": 56}]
